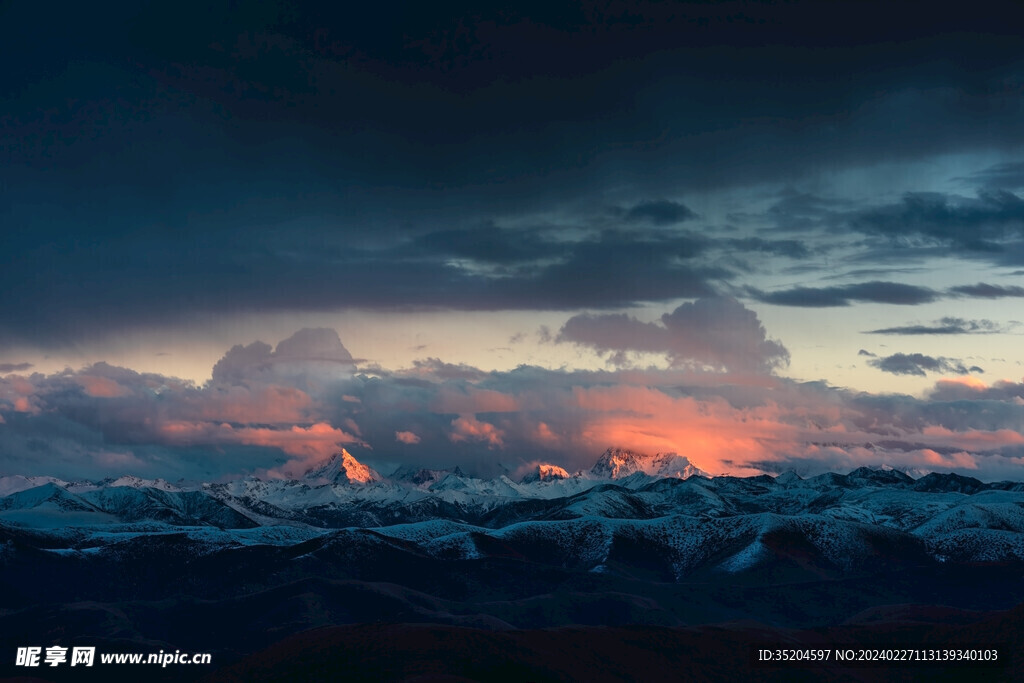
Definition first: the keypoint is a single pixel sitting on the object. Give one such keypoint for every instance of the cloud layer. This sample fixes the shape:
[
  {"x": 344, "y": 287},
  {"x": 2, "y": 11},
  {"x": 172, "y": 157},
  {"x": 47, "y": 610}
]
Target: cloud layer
[{"x": 280, "y": 411}]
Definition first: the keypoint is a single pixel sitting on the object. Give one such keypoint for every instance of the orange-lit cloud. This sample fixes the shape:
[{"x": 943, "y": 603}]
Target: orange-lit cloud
[
  {"x": 101, "y": 387},
  {"x": 714, "y": 434},
  {"x": 309, "y": 444},
  {"x": 468, "y": 428},
  {"x": 407, "y": 437},
  {"x": 974, "y": 439},
  {"x": 544, "y": 435},
  {"x": 272, "y": 404}
]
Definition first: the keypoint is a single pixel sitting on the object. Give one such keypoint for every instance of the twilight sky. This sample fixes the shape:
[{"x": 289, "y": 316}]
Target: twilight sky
[{"x": 762, "y": 235}]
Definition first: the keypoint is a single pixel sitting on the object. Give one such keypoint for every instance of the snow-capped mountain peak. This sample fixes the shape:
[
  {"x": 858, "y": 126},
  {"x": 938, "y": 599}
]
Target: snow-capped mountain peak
[
  {"x": 544, "y": 472},
  {"x": 342, "y": 468},
  {"x": 618, "y": 463}
]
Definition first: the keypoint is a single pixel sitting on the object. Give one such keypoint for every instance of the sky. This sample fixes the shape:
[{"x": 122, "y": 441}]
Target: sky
[{"x": 767, "y": 236}]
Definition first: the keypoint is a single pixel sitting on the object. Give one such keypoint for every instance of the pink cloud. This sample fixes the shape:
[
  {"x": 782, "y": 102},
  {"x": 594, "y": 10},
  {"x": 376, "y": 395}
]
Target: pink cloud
[
  {"x": 27, "y": 404},
  {"x": 101, "y": 387},
  {"x": 308, "y": 444},
  {"x": 973, "y": 439},
  {"x": 712, "y": 432},
  {"x": 270, "y": 404},
  {"x": 407, "y": 437},
  {"x": 468, "y": 428},
  {"x": 543, "y": 434},
  {"x": 20, "y": 393},
  {"x": 970, "y": 388}
]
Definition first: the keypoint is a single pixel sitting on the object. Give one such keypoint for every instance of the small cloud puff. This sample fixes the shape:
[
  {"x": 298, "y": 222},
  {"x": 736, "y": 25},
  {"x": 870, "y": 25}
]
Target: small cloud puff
[
  {"x": 469, "y": 428},
  {"x": 407, "y": 437}
]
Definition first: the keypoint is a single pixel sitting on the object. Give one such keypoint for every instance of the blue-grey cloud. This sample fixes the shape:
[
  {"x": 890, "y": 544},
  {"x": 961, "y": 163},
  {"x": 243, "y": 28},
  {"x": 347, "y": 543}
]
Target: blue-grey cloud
[
  {"x": 947, "y": 325},
  {"x": 794, "y": 249},
  {"x": 804, "y": 211},
  {"x": 14, "y": 367},
  {"x": 1008, "y": 176},
  {"x": 919, "y": 364},
  {"x": 273, "y": 272},
  {"x": 984, "y": 290},
  {"x": 492, "y": 244},
  {"x": 977, "y": 224},
  {"x": 870, "y": 292},
  {"x": 656, "y": 212}
]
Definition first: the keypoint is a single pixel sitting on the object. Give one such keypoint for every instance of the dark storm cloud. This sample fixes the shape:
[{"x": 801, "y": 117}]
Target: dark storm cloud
[
  {"x": 625, "y": 267},
  {"x": 794, "y": 249},
  {"x": 492, "y": 244},
  {"x": 946, "y": 325},
  {"x": 920, "y": 364},
  {"x": 205, "y": 158},
  {"x": 144, "y": 282},
  {"x": 984, "y": 290},
  {"x": 803, "y": 211},
  {"x": 657, "y": 212},
  {"x": 870, "y": 292},
  {"x": 978, "y": 224},
  {"x": 1008, "y": 176}
]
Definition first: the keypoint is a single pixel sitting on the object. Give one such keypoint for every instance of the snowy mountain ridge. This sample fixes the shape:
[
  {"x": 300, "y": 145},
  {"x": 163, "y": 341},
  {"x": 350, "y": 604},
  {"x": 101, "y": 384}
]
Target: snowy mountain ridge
[{"x": 627, "y": 502}]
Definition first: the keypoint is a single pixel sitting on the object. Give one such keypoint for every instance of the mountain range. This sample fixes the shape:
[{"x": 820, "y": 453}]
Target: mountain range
[
  {"x": 662, "y": 502},
  {"x": 635, "y": 541}
]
